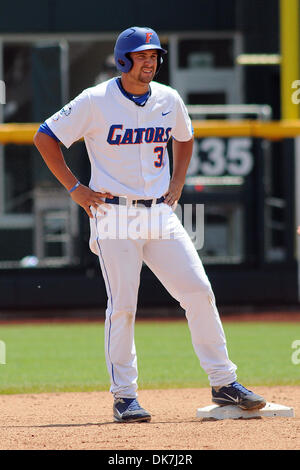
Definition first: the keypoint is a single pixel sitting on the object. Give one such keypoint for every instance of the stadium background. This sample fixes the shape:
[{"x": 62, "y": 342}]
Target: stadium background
[{"x": 247, "y": 182}]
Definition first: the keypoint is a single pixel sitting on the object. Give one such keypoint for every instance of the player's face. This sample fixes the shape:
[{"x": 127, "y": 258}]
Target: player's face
[{"x": 144, "y": 65}]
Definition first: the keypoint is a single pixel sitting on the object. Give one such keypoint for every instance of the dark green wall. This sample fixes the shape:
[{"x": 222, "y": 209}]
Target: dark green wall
[
  {"x": 256, "y": 19},
  {"x": 96, "y": 16}
]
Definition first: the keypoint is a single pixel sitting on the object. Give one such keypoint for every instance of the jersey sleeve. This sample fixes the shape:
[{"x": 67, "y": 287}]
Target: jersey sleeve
[
  {"x": 183, "y": 129},
  {"x": 73, "y": 121}
]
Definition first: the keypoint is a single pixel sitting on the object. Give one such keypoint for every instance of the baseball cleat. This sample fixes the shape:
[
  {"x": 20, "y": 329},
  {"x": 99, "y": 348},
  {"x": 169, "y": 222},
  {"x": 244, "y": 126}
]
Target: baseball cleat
[
  {"x": 236, "y": 394},
  {"x": 128, "y": 410}
]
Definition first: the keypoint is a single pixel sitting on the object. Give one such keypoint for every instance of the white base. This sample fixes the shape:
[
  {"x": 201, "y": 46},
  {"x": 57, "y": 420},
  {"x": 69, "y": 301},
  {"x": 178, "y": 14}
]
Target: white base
[{"x": 271, "y": 410}]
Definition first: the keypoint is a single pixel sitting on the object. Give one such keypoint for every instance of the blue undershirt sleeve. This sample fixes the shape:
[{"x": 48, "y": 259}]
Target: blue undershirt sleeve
[{"x": 46, "y": 130}]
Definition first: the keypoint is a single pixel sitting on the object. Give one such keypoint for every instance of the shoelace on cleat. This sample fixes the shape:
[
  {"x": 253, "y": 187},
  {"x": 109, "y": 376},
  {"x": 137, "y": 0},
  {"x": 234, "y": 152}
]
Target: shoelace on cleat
[
  {"x": 241, "y": 388},
  {"x": 134, "y": 405}
]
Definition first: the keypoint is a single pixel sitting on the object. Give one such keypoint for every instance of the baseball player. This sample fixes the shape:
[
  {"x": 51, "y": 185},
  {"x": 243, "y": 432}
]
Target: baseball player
[{"x": 126, "y": 123}]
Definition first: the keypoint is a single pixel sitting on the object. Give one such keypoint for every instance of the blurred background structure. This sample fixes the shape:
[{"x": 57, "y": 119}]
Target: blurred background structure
[{"x": 236, "y": 65}]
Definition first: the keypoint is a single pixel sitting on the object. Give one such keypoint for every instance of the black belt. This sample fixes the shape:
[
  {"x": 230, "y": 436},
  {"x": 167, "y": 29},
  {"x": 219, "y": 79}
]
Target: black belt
[{"x": 122, "y": 201}]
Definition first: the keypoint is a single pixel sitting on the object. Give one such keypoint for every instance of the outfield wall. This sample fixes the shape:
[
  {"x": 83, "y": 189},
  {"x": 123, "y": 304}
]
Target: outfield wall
[{"x": 250, "y": 250}]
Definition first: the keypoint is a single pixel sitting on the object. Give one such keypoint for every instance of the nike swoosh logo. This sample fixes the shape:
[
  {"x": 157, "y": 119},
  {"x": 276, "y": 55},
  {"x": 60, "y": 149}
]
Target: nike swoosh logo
[
  {"x": 164, "y": 114},
  {"x": 236, "y": 400}
]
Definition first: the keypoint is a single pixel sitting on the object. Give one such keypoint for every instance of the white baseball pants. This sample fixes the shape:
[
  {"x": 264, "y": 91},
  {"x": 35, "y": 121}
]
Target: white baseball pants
[{"x": 172, "y": 257}]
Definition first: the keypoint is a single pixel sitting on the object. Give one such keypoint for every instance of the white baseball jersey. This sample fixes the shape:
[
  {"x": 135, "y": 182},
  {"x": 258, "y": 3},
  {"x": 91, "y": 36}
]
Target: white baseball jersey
[{"x": 126, "y": 143}]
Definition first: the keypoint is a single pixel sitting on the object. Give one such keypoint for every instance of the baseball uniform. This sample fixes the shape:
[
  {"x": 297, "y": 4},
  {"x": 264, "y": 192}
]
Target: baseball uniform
[{"x": 127, "y": 146}]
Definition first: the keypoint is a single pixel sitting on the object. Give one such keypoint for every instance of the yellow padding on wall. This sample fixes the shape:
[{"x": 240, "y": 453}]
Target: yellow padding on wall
[{"x": 23, "y": 133}]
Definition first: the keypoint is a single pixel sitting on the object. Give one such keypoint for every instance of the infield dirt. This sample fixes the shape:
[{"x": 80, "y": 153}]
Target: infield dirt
[{"x": 78, "y": 421}]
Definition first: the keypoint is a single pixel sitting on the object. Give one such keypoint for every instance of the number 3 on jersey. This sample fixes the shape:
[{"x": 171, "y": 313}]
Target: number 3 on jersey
[{"x": 160, "y": 154}]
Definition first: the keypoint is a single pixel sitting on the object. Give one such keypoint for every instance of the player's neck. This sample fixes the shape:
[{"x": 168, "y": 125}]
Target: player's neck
[{"x": 134, "y": 87}]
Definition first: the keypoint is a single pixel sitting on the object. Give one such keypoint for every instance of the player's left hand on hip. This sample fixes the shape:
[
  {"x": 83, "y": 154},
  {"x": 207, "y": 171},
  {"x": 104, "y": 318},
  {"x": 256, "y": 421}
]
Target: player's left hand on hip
[{"x": 173, "y": 194}]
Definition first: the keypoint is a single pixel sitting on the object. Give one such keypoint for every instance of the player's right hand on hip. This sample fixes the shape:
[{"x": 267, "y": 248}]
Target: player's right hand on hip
[{"x": 87, "y": 199}]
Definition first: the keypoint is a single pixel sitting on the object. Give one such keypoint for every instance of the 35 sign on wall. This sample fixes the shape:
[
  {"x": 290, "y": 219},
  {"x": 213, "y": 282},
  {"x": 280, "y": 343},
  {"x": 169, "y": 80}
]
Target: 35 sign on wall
[{"x": 215, "y": 156}]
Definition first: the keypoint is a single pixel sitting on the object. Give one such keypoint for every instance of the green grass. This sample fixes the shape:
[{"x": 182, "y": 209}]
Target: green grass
[{"x": 70, "y": 357}]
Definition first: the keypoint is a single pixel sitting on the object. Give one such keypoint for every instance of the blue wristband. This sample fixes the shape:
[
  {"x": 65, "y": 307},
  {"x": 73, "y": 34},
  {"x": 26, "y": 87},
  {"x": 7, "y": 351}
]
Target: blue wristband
[{"x": 74, "y": 187}]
